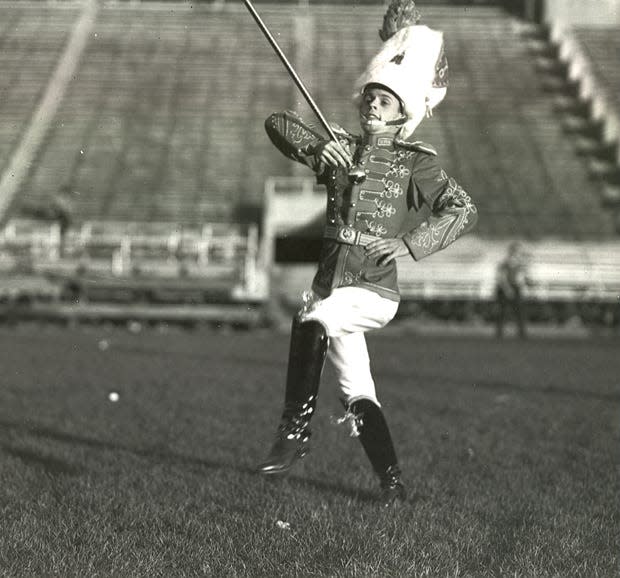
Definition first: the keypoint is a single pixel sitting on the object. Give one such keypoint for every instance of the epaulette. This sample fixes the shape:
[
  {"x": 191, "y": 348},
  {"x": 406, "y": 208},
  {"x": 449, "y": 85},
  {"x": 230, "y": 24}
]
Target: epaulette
[{"x": 417, "y": 145}]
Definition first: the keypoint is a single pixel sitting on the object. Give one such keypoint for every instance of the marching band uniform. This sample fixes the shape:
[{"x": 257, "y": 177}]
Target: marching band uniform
[
  {"x": 398, "y": 190},
  {"x": 401, "y": 177}
]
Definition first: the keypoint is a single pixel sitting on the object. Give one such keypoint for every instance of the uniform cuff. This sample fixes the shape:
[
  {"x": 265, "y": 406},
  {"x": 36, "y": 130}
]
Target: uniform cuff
[{"x": 413, "y": 241}]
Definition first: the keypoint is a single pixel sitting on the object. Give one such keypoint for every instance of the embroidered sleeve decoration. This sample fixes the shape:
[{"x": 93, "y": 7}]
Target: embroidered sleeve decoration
[
  {"x": 293, "y": 137},
  {"x": 454, "y": 214}
]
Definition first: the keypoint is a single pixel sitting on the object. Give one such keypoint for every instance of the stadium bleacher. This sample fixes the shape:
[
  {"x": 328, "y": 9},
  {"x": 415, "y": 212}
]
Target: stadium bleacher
[
  {"x": 147, "y": 262},
  {"x": 163, "y": 119},
  {"x": 36, "y": 35},
  {"x": 601, "y": 47},
  {"x": 159, "y": 122},
  {"x": 588, "y": 56}
]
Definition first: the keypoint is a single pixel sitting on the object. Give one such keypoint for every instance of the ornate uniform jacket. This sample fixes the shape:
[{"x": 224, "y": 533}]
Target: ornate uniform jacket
[{"x": 405, "y": 194}]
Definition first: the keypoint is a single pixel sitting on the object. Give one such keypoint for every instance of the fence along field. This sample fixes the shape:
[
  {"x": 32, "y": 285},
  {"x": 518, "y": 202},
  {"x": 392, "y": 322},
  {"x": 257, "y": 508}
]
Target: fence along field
[{"x": 509, "y": 451}]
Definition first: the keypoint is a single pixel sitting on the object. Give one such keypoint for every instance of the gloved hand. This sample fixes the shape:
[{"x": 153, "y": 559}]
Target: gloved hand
[{"x": 333, "y": 154}]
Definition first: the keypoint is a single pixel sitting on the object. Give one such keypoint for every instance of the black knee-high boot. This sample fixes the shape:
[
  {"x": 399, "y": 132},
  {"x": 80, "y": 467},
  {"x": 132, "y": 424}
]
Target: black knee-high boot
[
  {"x": 377, "y": 443},
  {"x": 307, "y": 353}
]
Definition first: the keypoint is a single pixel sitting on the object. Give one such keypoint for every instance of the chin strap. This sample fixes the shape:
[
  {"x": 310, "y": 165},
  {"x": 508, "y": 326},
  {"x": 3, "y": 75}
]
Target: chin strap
[
  {"x": 397, "y": 122},
  {"x": 380, "y": 123}
]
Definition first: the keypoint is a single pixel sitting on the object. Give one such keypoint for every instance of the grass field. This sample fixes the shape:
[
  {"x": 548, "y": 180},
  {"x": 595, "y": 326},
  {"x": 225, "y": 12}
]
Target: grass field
[{"x": 510, "y": 454}]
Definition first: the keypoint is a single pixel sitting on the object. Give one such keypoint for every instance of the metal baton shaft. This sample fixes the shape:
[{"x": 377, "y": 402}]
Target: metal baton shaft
[{"x": 290, "y": 69}]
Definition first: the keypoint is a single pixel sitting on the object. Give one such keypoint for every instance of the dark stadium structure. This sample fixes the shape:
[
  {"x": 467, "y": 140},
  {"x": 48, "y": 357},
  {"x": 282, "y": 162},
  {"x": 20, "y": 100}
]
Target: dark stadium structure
[{"x": 152, "y": 113}]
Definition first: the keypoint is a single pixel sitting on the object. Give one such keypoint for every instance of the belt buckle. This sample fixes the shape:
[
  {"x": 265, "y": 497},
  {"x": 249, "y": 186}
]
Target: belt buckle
[{"x": 347, "y": 235}]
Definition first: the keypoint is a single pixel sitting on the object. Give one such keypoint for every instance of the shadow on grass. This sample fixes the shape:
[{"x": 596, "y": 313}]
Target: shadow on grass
[
  {"x": 57, "y": 466},
  {"x": 53, "y": 466},
  {"x": 357, "y": 494},
  {"x": 365, "y": 496},
  {"x": 64, "y": 437}
]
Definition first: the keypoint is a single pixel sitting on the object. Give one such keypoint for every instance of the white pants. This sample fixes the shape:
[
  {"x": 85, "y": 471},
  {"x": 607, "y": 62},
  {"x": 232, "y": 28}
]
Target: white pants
[{"x": 346, "y": 315}]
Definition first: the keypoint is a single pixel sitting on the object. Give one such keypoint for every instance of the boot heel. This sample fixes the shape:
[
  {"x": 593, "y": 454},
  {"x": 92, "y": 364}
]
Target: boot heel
[{"x": 284, "y": 453}]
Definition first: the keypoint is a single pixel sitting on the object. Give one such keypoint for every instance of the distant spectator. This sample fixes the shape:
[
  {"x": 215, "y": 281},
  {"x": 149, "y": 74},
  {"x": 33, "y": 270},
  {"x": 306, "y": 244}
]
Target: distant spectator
[
  {"x": 61, "y": 212},
  {"x": 511, "y": 280}
]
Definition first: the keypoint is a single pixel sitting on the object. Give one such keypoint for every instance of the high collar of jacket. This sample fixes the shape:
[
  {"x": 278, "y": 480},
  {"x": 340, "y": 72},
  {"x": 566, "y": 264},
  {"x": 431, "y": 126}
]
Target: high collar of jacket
[{"x": 380, "y": 139}]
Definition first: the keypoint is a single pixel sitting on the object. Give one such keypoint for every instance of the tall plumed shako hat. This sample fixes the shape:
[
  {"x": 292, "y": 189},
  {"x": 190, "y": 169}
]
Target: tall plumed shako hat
[{"x": 411, "y": 64}]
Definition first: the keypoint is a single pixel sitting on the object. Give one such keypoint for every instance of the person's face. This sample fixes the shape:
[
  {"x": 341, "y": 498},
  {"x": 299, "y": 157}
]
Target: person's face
[{"x": 380, "y": 105}]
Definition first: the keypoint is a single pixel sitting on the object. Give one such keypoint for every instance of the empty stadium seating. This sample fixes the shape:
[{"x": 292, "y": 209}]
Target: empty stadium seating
[
  {"x": 587, "y": 56},
  {"x": 557, "y": 272},
  {"x": 164, "y": 119},
  {"x": 108, "y": 258},
  {"x": 31, "y": 40},
  {"x": 601, "y": 47}
]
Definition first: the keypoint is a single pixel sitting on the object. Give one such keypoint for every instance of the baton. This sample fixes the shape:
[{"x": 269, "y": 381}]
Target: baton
[{"x": 290, "y": 70}]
